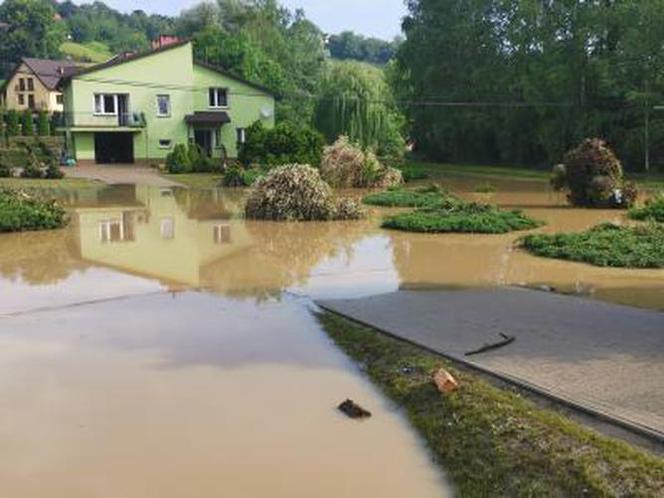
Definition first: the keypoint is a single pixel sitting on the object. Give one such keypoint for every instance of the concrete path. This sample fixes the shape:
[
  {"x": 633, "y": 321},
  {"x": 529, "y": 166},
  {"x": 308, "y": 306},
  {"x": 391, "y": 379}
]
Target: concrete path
[
  {"x": 606, "y": 359},
  {"x": 120, "y": 174}
]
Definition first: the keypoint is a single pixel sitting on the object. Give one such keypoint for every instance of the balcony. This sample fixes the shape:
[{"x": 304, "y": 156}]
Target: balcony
[{"x": 87, "y": 121}]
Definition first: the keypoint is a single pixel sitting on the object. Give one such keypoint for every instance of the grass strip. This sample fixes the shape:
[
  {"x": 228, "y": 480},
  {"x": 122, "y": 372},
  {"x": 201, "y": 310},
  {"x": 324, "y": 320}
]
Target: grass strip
[
  {"x": 604, "y": 245},
  {"x": 653, "y": 209},
  {"x": 491, "y": 441}
]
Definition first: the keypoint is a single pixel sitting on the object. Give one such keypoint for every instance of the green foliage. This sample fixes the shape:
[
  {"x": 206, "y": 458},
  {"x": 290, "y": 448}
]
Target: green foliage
[
  {"x": 347, "y": 165},
  {"x": 27, "y": 123},
  {"x": 286, "y": 143},
  {"x": 604, "y": 245},
  {"x": 32, "y": 169},
  {"x": 297, "y": 193},
  {"x": 349, "y": 45},
  {"x": 6, "y": 170},
  {"x": 515, "y": 449},
  {"x": 653, "y": 210},
  {"x": 356, "y": 101},
  {"x": 237, "y": 176},
  {"x": 53, "y": 171},
  {"x": 13, "y": 123},
  {"x": 485, "y": 188},
  {"x": 20, "y": 211},
  {"x": 461, "y": 218},
  {"x": 431, "y": 196},
  {"x": 413, "y": 172},
  {"x": 90, "y": 52},
  {"x": 178, "y": 162},
  {"x": 30, "y": 31},
  {"x": 593, "y": 177},
  {"x": 538, "y": 77},
  {"x": 43, "y": 124},
  {"x": 14, "y": 157}
]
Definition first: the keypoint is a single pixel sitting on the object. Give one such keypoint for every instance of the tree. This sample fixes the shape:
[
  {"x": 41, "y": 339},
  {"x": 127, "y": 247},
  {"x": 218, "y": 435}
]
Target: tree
[
  {"x": 348, "y": 45},
  {"x": 31, "y": 30},
  {"x": 43, "y": 124},
  {"x": 28, "y": 123},
  {"x": 13, "y": 123},
  {"x": 356, "y": 101}
]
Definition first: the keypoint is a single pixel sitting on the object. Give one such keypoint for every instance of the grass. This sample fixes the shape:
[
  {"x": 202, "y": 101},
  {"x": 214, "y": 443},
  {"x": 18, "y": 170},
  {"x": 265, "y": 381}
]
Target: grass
[
  {"x": 196, "y": 180},
  {"x": 653, "y": 209},
  {"x": 20, "y": 211},
  {"x": 461, "y": 218},
  {"x": 42, "y": 183},
  {"x": 492, "y": 441},
  {"x": 92, "y": 51},
  {"x": 604, "y": 245},
  {"x": 420, "y": 197}
]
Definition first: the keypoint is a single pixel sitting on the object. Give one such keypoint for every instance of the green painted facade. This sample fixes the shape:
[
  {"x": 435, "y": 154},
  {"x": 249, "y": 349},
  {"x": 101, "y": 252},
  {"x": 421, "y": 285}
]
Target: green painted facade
[{"x": 170, "y": 71}]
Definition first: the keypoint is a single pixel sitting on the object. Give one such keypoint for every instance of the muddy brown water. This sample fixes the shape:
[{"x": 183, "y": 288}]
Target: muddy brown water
[{"x": 162, "y": 346}]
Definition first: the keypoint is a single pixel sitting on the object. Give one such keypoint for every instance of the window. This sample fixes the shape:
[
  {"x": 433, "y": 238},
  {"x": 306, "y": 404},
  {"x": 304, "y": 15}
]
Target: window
[
  {"x": 31, "y": 101},
  {"x": 106, "y": 103},
  {"x": 218, "y": 97},
  {"x": 59, "y": 99},
  {"x": 163, "y": 105},
  {"x": 165, "y": 144},
  {"x": 222, "y": 234},
  {"x": 218, "y": 144},
  {"x": 167, "y": 228},
  {"x": 31, "y": 85},
  {"x": 21, "y": 84},
  {"x": 241, "y": 135},
  {"x": 21, "y": 99}
]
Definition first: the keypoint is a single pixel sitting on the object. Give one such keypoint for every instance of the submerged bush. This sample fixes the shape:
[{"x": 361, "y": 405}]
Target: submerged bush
[
  {"x": 20, "y": 211},
  {"x": 430, "y": 196},
  {"x": 461, "y": 217},
  {"x": 237, "y": 176},
  {"x": 604, "y": 245},
  {"x": 593, "y": 177},
  {"x": 653, "y": 209},
  {"x": 297, "y": 193},
  {"x": 346, "y": 165},
  {"x": 190, "y": 159}
]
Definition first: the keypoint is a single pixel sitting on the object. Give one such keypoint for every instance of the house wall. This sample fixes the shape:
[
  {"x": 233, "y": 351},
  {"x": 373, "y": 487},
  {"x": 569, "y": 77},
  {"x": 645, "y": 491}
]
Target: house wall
[
  {"x": 171, "y": 72},
  {"x": 245, "y": 104},
  {"x": 44, "y": 98}
]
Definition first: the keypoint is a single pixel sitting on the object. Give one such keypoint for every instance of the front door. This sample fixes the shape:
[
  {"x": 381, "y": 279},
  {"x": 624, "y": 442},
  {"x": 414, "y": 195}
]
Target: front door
[{"x": 203, "y": 138}]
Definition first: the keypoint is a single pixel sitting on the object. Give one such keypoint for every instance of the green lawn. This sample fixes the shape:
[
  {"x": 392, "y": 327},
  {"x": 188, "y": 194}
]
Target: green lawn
[
  {"x": 64, "y": 183},
  {"x": 492, "y": 440},
  {"x": 196, "y": 180},
  {"x": 91, "y": 52}
]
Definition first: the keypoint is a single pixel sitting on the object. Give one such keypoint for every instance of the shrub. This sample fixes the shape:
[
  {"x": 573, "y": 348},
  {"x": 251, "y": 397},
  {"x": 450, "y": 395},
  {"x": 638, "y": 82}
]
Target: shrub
[
  {"x": 200, "y": 162},
  {"x": 13, "y": 123},
  {"x": 430, "y": 196},
  {"x": 237, "y": 176},
  {"x": 20, "y": 211},
  {"x": 28, "y": 123},
  {"x": 297, "y": 193},
  {"x": 653, "y": 209},
  {"x": 43, "y": 124},
  {"x": 14, "y": 158},
  {"x": 604, "y": 245},
  {"x": 32, "y": 168},
  {"x": 346, "y": 165},
  {"x": 286, "y": 143},
  {"x": 463, "y": 218},
  {"x": 593, "y": 177},
  {"x": 412, "y": 172},
  {"x": 53, "y": 171},
  {"x": 177, "y": 162},
  {"x": 5, "y": 170}
]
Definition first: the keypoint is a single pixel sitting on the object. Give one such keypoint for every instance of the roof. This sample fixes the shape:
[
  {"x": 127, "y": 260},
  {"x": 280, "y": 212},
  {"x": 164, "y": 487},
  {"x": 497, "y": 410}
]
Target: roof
[
  {"x": 208, "y": 117},
  {"x": 228, "y": 74},
  {"x": 122, "y": 59},
  {"x": 48, "y": 71}
]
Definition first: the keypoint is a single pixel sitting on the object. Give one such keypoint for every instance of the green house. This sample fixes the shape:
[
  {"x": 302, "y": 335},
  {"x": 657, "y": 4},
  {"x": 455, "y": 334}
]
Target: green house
[{"x": 136, "y": 108}]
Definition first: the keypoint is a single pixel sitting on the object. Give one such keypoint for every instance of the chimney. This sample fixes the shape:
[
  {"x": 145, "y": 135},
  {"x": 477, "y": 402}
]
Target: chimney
[{"x": 164, "y": 41}]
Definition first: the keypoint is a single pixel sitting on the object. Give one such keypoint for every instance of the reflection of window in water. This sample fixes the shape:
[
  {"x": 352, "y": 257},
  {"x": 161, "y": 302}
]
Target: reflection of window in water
[
  {"x": 222, "y": 234},
  {"x": 117, "y": 229},
  {"x": 167, "y": 228}
]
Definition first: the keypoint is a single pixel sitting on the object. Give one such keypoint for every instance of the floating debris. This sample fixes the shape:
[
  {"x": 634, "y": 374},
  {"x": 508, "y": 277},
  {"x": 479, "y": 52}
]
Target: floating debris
[
  {"x": 444, "y": 381},
  {"x": 353, "y": 410},
  {"x": 489, "y": 347}
]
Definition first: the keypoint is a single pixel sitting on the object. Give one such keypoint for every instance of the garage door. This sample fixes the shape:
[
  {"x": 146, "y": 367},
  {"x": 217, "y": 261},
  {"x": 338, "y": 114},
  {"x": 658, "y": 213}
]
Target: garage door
[{"x": 114, "y": 148}]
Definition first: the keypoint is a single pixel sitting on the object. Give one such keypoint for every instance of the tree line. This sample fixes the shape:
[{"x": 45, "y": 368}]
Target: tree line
[{"x": 536, "y": 76}]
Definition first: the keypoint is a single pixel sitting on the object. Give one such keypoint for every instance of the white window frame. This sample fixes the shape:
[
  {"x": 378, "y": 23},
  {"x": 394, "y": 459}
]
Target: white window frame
[
  {"x": 215, "y": 100},
  {"x": 162, "y": 146},
  {"x": 241, "y": 135},
  {"x": 102, "y": 102},
  {"x": 168, "y": 101},
  {"x": 222, "y": 234}
]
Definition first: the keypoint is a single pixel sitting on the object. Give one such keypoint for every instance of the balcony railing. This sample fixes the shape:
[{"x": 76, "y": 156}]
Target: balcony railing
[{"x": 88, "y": 119}]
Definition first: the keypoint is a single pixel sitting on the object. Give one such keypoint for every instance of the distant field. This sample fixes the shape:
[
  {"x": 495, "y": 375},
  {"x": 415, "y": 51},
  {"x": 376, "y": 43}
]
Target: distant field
[{"x": 91, "y": 52}]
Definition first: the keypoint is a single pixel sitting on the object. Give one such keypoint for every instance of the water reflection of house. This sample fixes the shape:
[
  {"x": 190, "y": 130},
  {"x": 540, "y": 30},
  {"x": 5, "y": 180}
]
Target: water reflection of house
[{"x": 160, "y": 233}]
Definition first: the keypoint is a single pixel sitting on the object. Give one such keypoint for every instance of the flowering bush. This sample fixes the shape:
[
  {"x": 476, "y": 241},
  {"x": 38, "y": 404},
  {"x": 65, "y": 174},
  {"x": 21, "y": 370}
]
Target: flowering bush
[
  {"x": 346, "y": 165},
  {"x": 297, "y": 193}
]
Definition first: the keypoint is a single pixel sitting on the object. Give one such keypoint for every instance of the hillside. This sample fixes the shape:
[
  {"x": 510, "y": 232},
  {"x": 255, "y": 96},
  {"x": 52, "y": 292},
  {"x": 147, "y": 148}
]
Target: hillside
[{"x": 86, "y": 52}]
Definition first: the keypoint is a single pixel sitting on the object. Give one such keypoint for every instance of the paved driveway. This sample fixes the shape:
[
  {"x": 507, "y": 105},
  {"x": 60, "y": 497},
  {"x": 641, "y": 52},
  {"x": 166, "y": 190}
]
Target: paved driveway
[
  {"x": 120, "y": 174},
  {"x": 604, "y": 358}
]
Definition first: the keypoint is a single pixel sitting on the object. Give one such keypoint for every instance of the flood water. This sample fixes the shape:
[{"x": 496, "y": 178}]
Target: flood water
[{"x": 163, "y": 346}]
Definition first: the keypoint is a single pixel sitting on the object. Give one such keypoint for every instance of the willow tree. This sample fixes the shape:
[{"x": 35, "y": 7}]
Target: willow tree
[{"x": 355, "y": 100}]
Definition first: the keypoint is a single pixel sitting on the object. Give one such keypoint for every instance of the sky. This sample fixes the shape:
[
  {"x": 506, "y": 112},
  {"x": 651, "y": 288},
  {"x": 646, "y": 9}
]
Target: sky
[{"x": 379, "y": 18}]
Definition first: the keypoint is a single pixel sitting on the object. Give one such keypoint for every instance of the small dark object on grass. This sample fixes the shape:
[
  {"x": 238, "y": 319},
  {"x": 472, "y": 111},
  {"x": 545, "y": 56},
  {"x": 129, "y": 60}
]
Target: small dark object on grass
[
  {"x": 490, "y": 347},
  {"x": 353, "y": 410}
]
